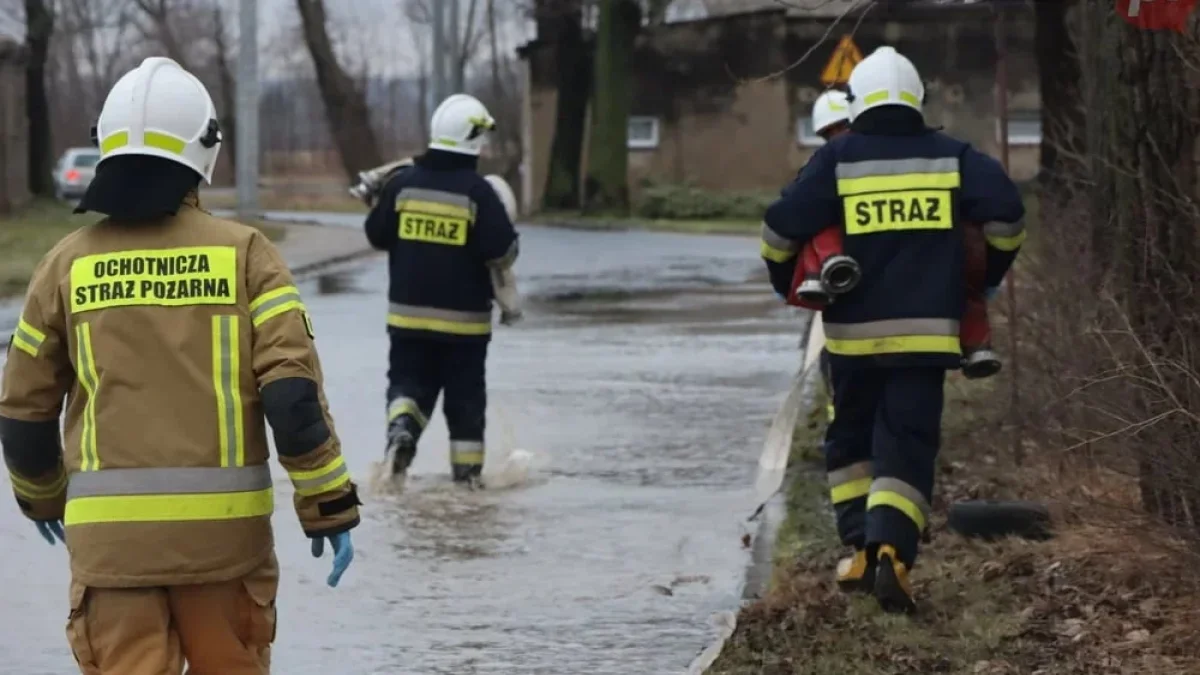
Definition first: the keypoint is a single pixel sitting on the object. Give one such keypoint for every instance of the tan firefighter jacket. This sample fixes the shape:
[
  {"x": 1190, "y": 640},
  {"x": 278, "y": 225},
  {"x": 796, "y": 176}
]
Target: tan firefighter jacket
[{"x": 162, "y": 338}]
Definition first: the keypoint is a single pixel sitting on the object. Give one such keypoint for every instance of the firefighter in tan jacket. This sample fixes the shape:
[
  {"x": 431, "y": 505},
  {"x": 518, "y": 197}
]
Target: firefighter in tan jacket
[{"x": 175, "y": 337}]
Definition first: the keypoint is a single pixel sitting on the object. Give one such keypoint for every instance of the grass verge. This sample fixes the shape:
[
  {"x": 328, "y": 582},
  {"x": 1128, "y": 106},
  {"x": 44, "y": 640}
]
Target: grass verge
[
  {"x": 1095, "y": 599},
  {"x": 28, "y": 234},
  {"x": 270, "y": 200},
  {"x": 602, "y": 222}
]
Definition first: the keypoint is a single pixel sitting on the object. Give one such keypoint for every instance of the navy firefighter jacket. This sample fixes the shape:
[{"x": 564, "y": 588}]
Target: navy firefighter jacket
[
  {"x": 900, "y": 200},
  {"x": 444, "y": 228}
]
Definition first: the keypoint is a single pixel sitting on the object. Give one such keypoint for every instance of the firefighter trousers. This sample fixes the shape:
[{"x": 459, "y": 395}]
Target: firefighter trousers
[
  {"x": 216, "y": 629},
  {"x": 420, "y": 370},
  {"x": 880, "y": 454}
]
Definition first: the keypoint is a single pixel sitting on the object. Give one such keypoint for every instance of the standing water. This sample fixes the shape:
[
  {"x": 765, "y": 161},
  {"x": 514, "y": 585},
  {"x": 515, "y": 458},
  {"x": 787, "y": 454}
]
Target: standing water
[{"x": 637, "y": 393}]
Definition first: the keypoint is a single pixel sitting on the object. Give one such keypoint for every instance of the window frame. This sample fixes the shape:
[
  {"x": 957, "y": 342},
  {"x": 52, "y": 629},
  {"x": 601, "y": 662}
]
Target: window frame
[
  {"x": 805, "y": 138},
  {"x": 1022, "y": 139},
  {"x": 644, "y": 143}
]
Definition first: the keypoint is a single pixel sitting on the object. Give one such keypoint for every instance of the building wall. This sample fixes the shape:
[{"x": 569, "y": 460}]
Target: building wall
[
  {"x": 729, "y": 92},
  {"x": 14, "y": 130}
]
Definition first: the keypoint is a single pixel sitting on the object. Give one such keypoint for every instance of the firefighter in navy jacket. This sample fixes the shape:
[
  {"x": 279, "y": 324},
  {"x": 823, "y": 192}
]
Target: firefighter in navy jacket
[
  {"x": 900, "y": 192},
  {"x": 447, "y": 235}
]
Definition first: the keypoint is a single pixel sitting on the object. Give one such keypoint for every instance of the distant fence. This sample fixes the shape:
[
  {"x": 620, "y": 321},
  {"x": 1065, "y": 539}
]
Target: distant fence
[{"x": 14, "y": 129}]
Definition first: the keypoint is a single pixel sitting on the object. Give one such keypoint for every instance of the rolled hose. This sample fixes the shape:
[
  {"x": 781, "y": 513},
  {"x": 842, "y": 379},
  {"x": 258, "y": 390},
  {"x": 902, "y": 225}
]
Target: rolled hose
[
  {"x": 989, "y": 520},
  {"x": 840, "y": 274}
]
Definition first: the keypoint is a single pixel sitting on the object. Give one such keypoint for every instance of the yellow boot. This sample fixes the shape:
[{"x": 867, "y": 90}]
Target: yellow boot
[
  {"x": 856, "y": 574},
  {"x": 892, "y": 588}
]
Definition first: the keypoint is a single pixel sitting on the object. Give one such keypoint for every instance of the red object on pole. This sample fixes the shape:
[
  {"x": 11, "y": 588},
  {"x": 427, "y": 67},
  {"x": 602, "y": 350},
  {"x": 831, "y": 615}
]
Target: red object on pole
[{"x": 1010, "y": 286}]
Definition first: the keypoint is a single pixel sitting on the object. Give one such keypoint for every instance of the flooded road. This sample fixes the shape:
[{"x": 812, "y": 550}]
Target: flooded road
[{"x": 642, "y": 381}]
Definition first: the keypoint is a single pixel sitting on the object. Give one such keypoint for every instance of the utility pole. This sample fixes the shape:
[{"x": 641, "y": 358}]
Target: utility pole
[
  {"x": 452, "y": 55},
  {"x": 439, "y": 52},
  {"x": 247, "y": 110}
]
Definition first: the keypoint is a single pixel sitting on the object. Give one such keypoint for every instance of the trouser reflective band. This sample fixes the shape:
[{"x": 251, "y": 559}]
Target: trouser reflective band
[
  {"x": 406, "y": 406},
  {"x": 901, "y": 496},
  {"x": 27, "y": 338},
  {"x": 777, "y": 248},
  {"x": 1005, "y": 236},
  {"x": 273, "y": 303},
  {"x": 169, "y": 495},
  {"x": 892, "y": 336},
  {"x": 439, "y": 320},
  {"x": 85, "y": 366},
  {"x": 317, "y": 481},
  {"x": 466, "y": 452},
  {"x": 226, "y": 369},
  {"x": 851, "y": 482}
]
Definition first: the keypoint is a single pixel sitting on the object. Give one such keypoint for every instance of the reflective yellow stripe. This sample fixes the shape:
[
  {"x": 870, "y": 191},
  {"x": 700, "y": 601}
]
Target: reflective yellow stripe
[
  {"x": 85, "y": 366},
  {"x": 854, "y": 489},
  {"x": 884, "y": 95},
  {"x": 407, "y": 406},
  {"x": 273, "y": 303},
  {"x": 27, "y": 338},
  {"x": 21, "y": 344},
  {"x": 439, "y": 325},
  {"x": 776, "y": 247},
  {"x": 434, "y": 208},
  {"x": 169, "y": 508},
  {"x": 1007, "y": 243},
  {"x": 776, "y": 255},
  {"x": 317, "y": 481},
  {"x": 226, "y": 369},
  {"x": 30, "y": 490},
  {"x": 900, "y": 344},
  {"x": 901, "y": 496},
  {"x": 466, "y": 453},
  {"x": 911, "y": 181},
  {"x": 151, "y": 139}
]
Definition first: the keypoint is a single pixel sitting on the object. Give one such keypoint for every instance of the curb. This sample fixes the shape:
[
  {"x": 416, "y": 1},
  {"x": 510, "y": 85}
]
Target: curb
[{"x": 596, "y": 225}]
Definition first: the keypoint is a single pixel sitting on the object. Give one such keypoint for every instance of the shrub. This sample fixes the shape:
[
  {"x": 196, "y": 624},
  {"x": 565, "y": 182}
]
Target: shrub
[{"x": 688, "y": 202}]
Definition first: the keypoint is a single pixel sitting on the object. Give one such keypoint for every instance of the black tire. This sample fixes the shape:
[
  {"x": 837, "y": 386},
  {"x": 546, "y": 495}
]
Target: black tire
[{"x": 989, "y": 520}]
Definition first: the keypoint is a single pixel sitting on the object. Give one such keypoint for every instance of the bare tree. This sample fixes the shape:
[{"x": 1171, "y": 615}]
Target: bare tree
[
  {"x": 608, "y": 153},
  {"x": 345, "y": 103}
]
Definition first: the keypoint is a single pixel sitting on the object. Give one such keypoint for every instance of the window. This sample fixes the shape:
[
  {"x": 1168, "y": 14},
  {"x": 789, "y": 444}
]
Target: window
[
  {"x": 85, "y": 160},
  {"x": 1024, "y": 127},
  {"x": 643, "y": 133},
  {"x": 805, "y": 135}
]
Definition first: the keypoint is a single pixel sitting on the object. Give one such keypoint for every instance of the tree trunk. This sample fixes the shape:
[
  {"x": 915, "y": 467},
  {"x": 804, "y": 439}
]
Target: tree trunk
[
  {"x": 1062, "y": 112},
  {"x": 608, "y": 150},
  {"x": 345, "y": 104},
  {"x": 39, "y": 27},
  {"x": 227, "y": 116},
  {"x": 561, "y": 22}
]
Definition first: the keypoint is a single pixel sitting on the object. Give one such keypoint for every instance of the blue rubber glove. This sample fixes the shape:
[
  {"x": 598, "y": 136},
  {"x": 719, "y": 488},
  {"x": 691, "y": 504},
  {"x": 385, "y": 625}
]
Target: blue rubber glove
[
  {"x": 343, "y": 553},
  {"x": 990, "y": 293},
  {"x": 50, "y": 530}
]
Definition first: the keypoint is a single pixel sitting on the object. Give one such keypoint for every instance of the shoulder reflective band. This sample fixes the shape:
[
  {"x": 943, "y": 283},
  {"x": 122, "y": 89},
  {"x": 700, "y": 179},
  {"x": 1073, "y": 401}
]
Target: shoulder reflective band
[
  {"x": 450, "y": 321},
  {"x": 85, "y": 371},
  {"x": 35, "y": 492},
  {"x": 169, "y": 495},
  {"x": 273, "y": 303},
  {"x": 226, "y": 383},
  {"x": 902, "y": 497},
  {"x": 151, "y": 139},
  {"x": 1005, "y": 236},
  {"x": 173, "y": 277},
  {"x": 27, "y": 338},
  {"x": 893, "y": 336},
  {"x": 324, "y": 479},
  {"x": 466, "y": 453},
  {"x": 851, "y": 482},
  {"x": 434, "y": 216},
  {"x": 775, "y": 247},
  {"x": 882, "y": 175}
]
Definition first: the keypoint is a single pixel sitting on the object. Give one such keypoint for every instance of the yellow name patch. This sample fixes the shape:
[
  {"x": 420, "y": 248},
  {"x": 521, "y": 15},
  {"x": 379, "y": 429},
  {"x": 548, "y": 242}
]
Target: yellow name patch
[
  {"x": 903, "y": 210},
  {"x": 433, "y": 229},
  {"x": 173, "y": 277}
]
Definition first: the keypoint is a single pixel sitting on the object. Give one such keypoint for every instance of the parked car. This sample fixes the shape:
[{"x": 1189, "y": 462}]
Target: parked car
[{"x": 74, "y": 172}]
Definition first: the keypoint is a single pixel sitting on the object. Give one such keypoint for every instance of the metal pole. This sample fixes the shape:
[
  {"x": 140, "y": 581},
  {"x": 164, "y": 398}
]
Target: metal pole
[
  {"x": 1009, "y": 287},
  {"x": 439, "y": 52},
  {"x": 452, "y": 56},
  {"x": 247, "y": 110}
]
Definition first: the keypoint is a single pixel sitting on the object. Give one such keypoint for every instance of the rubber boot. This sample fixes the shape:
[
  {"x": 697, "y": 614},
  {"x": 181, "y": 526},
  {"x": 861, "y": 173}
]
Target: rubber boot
[
  {"x": 811, "y": 290},
  {"x": 840, "y": 274},
  {"x": 856, "y": 574},
  {"x": 980, "y": 363},
  {"x": 468, "y": 475},
  {"x": 892, "y": 588},
  {"x": 401, "y": 447}
]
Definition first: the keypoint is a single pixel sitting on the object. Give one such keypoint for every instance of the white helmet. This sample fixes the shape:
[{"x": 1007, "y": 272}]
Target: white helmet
[
  {"x": 885, "y": 78},
  {"x": 161, "y": 110},
  {"x": 459, "y": 125},
  {"x": 829, "y": 109},
  {"x": 505, "y": 193}
]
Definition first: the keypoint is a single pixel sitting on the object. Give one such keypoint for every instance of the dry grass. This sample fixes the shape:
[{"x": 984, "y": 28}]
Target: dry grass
[
  {"x": 280, "y": 199},
  {"x": 27, "y": 235},
  {"x": 601, "y": 222},
  {"x": 1106, "y": 599}
]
